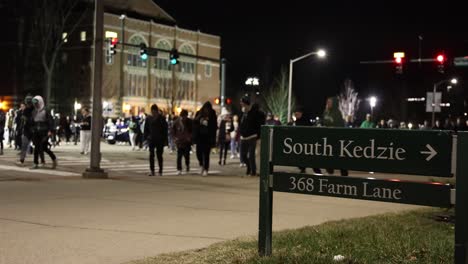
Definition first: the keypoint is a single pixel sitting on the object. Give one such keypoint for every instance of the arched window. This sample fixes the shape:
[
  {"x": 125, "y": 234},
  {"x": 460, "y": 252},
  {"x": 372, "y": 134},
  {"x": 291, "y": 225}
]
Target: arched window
[
  {"x": 161, "y": 62},
  {"x": 134, "y": 52},
  {"x": 187, "y": 64}
]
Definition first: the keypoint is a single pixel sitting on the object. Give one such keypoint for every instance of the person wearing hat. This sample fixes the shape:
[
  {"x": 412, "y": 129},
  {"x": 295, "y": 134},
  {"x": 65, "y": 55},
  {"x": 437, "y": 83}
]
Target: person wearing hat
[
  {"x": 155, "y": 133},
  {"x": 251, "y": 122},
  {"x": 182, "y": 133}
]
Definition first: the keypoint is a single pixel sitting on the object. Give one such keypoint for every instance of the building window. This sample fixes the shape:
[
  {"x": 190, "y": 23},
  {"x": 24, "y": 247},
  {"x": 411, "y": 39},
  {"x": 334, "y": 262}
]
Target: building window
[
  {"x": 83, "y": 35},
  {"x": 208, "y": 70},
  {"x": 111, "y": 34},
  {"x": 65, "y": 37},
  {"x": 187, "y": 64},
  {"x": 161, "y": 62}
]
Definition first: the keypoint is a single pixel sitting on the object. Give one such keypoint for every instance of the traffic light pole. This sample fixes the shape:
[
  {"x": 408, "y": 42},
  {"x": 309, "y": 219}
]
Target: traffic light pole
[{"x": 94, "y": 171}]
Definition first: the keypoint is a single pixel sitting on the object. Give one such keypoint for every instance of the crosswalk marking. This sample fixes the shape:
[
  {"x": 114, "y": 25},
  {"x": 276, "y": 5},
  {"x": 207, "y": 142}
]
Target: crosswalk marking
[{"x": 39, "y": 171}]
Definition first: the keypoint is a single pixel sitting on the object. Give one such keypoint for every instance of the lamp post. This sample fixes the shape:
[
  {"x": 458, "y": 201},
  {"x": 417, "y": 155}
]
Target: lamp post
[
  {"x": 452, "y": 81},
  {"x": 320, "y": 54},
  {"x": 76, "y": 106}
]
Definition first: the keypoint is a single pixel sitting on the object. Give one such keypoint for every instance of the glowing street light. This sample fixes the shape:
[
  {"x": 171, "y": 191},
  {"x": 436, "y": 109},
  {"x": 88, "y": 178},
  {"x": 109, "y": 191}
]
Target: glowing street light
[
  {"x": 319, "y": 53},
  {"x": 372, "y": 103}
]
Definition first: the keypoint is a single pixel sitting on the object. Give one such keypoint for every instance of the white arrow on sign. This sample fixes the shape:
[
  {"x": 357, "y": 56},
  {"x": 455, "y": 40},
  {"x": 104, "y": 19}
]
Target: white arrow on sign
[{"x": 431, "y": 152}]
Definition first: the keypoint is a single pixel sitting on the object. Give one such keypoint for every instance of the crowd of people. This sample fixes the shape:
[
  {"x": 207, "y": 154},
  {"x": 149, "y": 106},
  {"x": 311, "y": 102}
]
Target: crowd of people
[{"x": 33, "y": 129}]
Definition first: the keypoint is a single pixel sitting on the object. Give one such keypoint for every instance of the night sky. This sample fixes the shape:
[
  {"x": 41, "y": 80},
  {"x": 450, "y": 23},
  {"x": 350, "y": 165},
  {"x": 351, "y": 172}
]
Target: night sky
[{"x": 260, "y": 37}]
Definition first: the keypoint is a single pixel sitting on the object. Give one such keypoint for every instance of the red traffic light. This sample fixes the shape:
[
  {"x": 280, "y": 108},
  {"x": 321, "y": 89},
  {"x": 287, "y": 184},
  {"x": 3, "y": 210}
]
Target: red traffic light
[
  {"x": 114, "y": 41},
  {"x": 398, "y": 60},
  {"x": 440, "y": 58},
  {"x": 228, "y": 101}
]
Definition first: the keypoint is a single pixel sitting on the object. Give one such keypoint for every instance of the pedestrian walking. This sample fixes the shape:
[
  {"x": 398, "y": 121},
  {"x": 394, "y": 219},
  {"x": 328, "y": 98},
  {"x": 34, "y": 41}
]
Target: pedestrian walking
[
  {"x": 42, "y": 127},
  {"x": 85, "y": 132},
  {"x": 155, "y": 133},
  {"x": 26, "y": 129},
  {"x": 204, "y": 134},
  {"x": 2, "y": 129},
  {"x": 182, "y": 135},
  {"x": 251, "y": 121},
  {"x": 226, "y": 126},
  {"x": 332, "y": 118}
]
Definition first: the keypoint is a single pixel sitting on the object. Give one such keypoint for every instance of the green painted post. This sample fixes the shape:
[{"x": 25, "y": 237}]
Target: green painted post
[
  {"x": 461, "y": 207},
  {"x": 266, "y": 195}
]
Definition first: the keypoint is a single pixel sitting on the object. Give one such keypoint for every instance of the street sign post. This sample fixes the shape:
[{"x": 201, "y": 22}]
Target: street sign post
[
  {"x": 394, "y": 151},
  {"x": 433, "y": 153}
]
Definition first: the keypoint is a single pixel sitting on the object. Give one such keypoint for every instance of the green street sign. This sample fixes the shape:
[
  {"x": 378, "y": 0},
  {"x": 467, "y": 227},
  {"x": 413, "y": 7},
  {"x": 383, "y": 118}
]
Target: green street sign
[
  {"x": 461, "y": 61},
  {"x": 394, "y": 191},
  {"x": 394, "y": 151}
]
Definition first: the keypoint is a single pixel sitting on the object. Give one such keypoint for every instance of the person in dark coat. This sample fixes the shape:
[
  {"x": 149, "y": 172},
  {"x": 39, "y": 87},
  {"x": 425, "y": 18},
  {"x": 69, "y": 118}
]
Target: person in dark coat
[
  {"x": 182, "y": 134},
  {"x": 224, "y": 137},
  {"x": 303, "y": 121},
  {"x": 204, "y": 135},
  {"x": 155, "y": 134},
  {"x": 2, "y": 129},
  {"x": 251, "y": 122}
]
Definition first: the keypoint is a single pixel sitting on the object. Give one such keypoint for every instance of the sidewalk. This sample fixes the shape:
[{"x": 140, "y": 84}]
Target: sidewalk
[{"x": 47, "y": 220}]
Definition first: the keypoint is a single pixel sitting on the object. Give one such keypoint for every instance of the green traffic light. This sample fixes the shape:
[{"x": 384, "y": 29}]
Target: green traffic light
[
  {"x": 144, "y": 56},
  {"x": 174, "y": 61}
]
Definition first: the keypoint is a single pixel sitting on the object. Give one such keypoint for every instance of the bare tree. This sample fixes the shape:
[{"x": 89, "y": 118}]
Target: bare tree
[
  {"x": 348, "y": 100},
  {"x": 276, "y": 99},
  {"x": 54, "y": 21}
]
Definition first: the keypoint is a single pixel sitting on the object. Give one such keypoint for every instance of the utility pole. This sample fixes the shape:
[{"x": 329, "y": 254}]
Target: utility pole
[{"x": 94, "y": 171}]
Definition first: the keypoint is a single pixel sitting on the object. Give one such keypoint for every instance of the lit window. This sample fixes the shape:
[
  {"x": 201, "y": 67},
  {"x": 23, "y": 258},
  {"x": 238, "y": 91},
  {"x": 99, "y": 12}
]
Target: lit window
[
  {"x": 111, "y": 34},
  {"x": 83, "y": 35},
  {"x": 65, "y": 37},
  {"x": 208, "y": 70}
]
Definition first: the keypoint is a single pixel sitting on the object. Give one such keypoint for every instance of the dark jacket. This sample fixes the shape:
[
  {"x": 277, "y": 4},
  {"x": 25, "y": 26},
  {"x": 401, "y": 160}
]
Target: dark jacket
[
  {"x": 302, "y": 122},
  {"x": 332, "y": 117},
  {"x": 225, "y": 129},
  {"x": 251, "y": 122},
  {"x": 156, "y": 130},
  {"x": 182, "y": 132},
  {"x": 205, "y": 126}
]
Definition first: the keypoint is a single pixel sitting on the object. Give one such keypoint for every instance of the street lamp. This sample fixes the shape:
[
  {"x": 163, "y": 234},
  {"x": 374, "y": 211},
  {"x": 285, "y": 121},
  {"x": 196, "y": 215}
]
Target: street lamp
[
  {"x": 372, "y": 102},
  {"x": 320, "y": 53},
  {"x": 453, "y": 81},
  {"x": 76, "y": 106}
]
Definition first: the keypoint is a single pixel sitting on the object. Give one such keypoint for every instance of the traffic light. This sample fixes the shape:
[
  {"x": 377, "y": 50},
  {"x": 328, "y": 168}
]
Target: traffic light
[
  {"x": 228, "y": 101},
  {"x": 143, "y": 51},
  {"x": 441, "y": 63},
  {"x": 174, "y": 57},
  {"x": 398, "y": 56},
  {"x": 217, "y": 101},
  {"x": 111, "y": 45}
]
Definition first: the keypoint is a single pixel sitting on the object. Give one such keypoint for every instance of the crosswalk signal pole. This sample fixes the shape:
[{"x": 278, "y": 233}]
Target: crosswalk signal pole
[{"x": 94, "y": 171}]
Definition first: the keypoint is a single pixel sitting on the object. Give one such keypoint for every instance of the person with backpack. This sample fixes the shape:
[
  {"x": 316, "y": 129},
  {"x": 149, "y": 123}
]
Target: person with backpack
[{"x": 182, "y": 134}]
